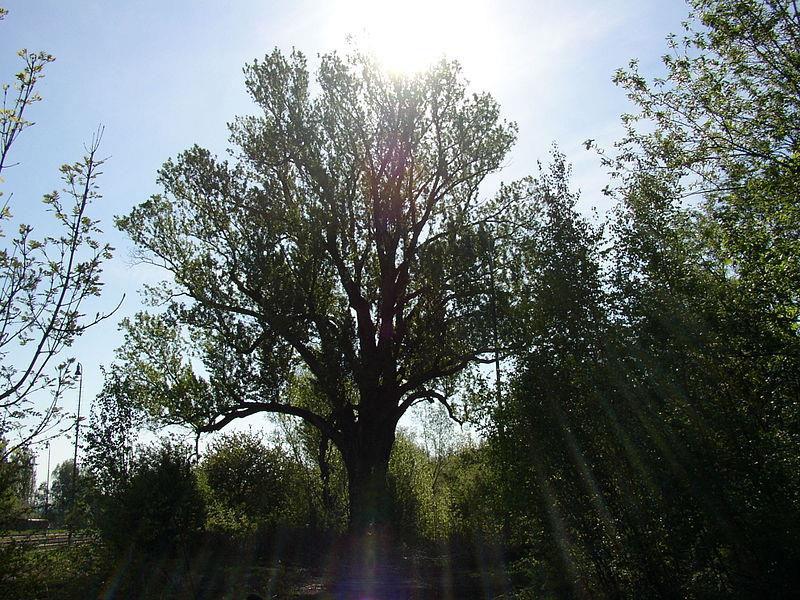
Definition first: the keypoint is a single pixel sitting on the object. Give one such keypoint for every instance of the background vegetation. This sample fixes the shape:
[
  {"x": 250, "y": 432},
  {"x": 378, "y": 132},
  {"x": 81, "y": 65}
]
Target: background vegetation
[{"x": 643, "y": 439}]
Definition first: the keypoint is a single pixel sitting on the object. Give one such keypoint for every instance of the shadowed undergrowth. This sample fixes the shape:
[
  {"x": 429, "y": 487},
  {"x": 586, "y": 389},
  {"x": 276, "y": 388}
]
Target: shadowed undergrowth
[{"x": 291, "y": 564}]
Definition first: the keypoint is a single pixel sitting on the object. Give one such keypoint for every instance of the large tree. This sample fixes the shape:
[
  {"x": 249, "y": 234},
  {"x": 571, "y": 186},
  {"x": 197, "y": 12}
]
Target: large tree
[{"x": 345, "y": 243}]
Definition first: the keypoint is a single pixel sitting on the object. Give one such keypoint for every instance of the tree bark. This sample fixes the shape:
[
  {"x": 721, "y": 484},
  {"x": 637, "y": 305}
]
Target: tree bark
[{"x": 366, "y": 459}]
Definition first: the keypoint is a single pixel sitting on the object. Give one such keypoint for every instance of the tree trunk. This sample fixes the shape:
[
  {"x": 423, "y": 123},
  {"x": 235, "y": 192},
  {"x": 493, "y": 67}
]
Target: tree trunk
[
  {"x": 366, "y": 558},
  {"x": 367, "y": 463}
]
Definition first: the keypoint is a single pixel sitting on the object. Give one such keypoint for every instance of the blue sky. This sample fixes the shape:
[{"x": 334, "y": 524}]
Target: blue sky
[{"x": 161, "y": 76}]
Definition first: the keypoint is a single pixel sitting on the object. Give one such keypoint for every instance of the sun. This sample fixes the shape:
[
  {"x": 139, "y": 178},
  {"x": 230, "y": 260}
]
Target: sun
[{"x": 408, "y": 36}]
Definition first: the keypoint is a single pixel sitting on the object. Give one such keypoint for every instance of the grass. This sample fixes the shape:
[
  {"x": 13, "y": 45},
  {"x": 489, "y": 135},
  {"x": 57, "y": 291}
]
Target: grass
[
  {"x": 281, "y": 566},
  {"x": 43, "y": 573}
]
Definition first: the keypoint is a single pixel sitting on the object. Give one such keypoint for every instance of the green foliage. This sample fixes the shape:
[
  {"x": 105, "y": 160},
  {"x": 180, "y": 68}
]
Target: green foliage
[
  {"x": 16, "y": 478},
  {"x": 114, "y": 424},
  {"x": 76, "y": 571},
  {"x": 726, "y": 117},
  {"x": 160, "y": 507},
  {"x": 10, "y": 504},
  {"x": 69, "y": 506},
  {"x": 714, "y": 286},
  {"x": 421, "y": 503},
  {"x": 474, "y": 482},
  {"x": 444, "y": 495},
  {"x": 651, "y": 430},
  {"x": 325, "y": 472},
  {"x": 342, "y": 244},
  {"x": 558, "y": 297},
  {"x": 252, "y": 486},
  {"x": 638, "y": 456}
]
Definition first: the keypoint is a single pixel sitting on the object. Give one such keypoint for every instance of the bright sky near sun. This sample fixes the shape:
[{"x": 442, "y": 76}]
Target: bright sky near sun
[
  {"x": 408, "y": 35},
  {"x": 160, "y": 76}
]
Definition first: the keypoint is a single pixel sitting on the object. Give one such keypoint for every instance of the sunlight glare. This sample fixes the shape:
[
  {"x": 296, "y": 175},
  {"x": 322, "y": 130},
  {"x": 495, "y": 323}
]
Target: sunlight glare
[{"x": 410, "y": 35}]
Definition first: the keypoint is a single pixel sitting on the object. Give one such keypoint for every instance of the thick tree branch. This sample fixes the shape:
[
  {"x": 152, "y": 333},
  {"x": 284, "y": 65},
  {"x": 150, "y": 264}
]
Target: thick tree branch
[{"x": 246, "y": 409}]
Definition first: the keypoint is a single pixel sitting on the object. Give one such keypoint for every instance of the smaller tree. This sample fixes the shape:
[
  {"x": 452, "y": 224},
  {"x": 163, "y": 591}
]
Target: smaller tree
[
  {"x": 560, "y": 328},
  {"x": 722, "y": 125},
  {"x": 68, "y": 504},
  {"x": 708, "y": 261},
  {"x": 420, "y": 502},
  {"x": 17, "y": 479},
  {"x": 45, "y": 280},
  {"x": 111, "y": 436}
]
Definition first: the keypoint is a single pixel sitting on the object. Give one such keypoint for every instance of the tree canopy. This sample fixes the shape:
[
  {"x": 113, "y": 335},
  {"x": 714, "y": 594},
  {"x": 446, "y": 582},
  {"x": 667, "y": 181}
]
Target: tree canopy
[
  {"x": 344, "y": 263},
  {"x": 659, "y": 444},
  {"x": 342, "y": 241}
]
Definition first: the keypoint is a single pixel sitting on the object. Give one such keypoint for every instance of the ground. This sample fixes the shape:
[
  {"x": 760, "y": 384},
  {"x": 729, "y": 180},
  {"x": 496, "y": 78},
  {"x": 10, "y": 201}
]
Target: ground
[{"x": 282, "y": 566}]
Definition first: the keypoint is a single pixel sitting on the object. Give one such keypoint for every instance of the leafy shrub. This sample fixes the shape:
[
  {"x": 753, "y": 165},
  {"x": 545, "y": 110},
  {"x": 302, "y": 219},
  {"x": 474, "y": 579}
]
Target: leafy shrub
[
  {"x": 160, "y": 506},
  {"x": 251, "y": 486}
]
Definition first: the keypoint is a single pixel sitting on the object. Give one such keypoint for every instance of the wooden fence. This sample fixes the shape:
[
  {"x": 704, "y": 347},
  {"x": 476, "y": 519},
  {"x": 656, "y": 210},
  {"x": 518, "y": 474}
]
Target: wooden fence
[{"x": 45, "y": 539}]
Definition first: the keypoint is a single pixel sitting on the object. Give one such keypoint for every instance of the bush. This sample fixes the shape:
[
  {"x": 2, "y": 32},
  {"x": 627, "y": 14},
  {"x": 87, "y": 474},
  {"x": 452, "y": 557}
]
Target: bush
[
  {"x": 251, "y": 486},
  {"x": 159, "y": 507},
  {"x": 420, "y": 497}
]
